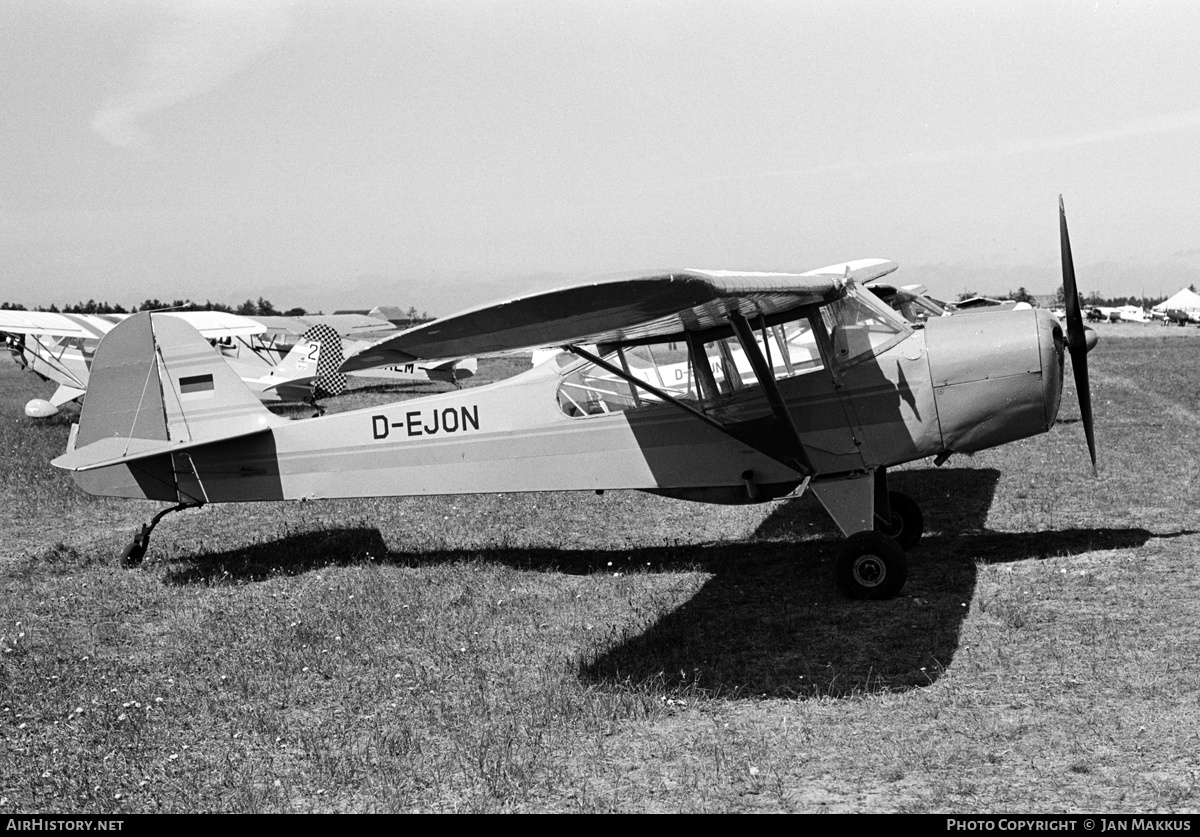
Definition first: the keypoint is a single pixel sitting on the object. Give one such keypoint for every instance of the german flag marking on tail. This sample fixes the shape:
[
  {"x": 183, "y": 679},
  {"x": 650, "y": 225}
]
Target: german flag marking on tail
[{"x": 196, "y": 385}]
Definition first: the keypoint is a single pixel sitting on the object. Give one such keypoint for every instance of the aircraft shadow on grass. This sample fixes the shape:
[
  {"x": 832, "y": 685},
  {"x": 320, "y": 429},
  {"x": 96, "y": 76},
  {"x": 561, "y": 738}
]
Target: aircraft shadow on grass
[{"x": 769, "y": 622}]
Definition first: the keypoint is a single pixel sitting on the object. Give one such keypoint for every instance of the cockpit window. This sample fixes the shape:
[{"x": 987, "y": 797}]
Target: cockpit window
[
  {"x": 590, "y": 390},
  {"x": 860, "y": 326},
  {"x": 790, "y": 348}
]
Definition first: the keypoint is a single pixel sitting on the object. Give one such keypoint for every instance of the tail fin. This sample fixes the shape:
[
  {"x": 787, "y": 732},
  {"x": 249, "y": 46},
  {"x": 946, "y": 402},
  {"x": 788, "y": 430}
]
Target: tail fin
[
  {"x": 297, "y": 369},
  {"x": 329, "y": 380},
  {"x": 157, "y": 386},
  {"x": 310, "y": 369}
]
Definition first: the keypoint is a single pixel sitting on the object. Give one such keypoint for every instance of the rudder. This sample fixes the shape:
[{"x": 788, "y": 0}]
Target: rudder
[
  {"x": 155, "y": 378},
  {"x": 329, "y": 380}
]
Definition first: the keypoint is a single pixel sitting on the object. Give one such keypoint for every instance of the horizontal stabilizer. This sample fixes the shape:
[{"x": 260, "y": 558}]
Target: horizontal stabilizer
[
  {"x": 158, "y": 387},
  {"x": 452, "y": 371},
  {"x": 469, "y": 365},
  {"x": 114, "y": 451},
  {"x": 65, "y": 394}
]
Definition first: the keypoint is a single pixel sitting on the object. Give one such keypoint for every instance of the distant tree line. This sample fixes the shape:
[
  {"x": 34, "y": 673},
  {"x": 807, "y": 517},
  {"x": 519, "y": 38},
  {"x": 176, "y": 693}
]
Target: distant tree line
[
  {"x": 1113, "y": 301},
  {"x": 1117, "y": 301},
  {"x": 249, "y": 308}
]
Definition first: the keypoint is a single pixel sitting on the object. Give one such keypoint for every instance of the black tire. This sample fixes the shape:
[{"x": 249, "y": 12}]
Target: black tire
[
  {"x": 134, "y": 553},
  {"x": 907, "y": 523},
  {"x": 871, "y": 566}
]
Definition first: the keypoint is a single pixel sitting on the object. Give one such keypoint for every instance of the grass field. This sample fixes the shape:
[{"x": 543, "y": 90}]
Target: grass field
[{"x": 621, "y": 652}]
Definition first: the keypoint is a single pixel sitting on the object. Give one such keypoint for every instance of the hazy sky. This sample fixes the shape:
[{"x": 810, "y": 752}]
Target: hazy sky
[{"x": 439, "y": 154}]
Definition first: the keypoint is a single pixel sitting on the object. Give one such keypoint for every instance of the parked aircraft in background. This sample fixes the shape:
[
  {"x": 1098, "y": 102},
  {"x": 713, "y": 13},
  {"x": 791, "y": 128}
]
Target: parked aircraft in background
[
  {"x": 1178, "y": 317},
  {"x": 1117, "y": 314},
  {"x": 912, "y": 302},
  {"x": 279, "y": 358},
  {"x": 1132, "y": 314},
  {"x": 1103, "y": 314},
  {"x": 985, "y": 303},
  {"x": 59, "y": 347},
  {"x": 351, "y": 332}
]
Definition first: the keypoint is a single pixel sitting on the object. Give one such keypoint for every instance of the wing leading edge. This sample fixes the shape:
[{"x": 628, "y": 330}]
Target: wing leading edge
[
  {"x": 615, "y": 309},
  {"x": 210, "y": 324}
]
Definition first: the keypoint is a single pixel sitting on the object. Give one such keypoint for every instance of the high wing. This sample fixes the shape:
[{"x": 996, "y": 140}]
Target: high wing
[
  {"x": 216, "y": 324},
  {"x": 210, "y": 324},
  {"x": 615, "y": 309},
  {"x": 346, "y": 325},
  {"x": 48, "y": 324}
]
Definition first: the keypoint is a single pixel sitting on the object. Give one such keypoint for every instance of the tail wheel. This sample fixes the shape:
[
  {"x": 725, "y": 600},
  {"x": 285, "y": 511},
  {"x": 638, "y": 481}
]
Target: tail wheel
[
  {"x": 135, "y": 551},
  {"x": 907, "y": 524},
  {"x": 871, "y": 566}
]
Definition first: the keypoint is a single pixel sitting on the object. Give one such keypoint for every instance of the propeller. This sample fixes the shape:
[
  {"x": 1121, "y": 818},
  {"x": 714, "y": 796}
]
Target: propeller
[{"x": 1079, "y": 338}]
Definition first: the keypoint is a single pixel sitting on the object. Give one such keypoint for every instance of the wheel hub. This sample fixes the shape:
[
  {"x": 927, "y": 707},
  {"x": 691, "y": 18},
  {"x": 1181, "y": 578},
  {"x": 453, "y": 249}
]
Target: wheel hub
[{"x": 869, "y": 570}]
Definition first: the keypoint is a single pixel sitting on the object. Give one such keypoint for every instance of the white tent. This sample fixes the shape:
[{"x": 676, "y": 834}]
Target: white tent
[{"x": 1185, "y": 300}]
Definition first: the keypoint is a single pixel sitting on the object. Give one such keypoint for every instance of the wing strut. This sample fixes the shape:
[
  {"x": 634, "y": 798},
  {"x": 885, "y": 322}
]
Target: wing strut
[
  {"x": 766, "y": 378},
  {"x": 45, "y": 352},
  {"x": 650, "y": 388},
  {"x": 791, "y": 453}
]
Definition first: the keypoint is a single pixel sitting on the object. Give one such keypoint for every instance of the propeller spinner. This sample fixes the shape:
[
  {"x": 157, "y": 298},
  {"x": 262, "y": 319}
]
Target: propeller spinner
[{"x": 1078, "y": 335}]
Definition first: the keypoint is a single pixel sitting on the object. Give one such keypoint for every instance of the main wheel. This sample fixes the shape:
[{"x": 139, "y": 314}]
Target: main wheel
[
  {"x": 907, "y": 523},
  {"x": 871, "y": 566}
]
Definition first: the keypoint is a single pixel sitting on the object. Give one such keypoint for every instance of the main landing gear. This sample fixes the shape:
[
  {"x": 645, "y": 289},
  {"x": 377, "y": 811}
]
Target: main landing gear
[
  {"x": 135, "y": 550},
  {"x": 872, "y": 564},
  {"x": 880, "y": 525},
  {"x": 904, "y": 524}
]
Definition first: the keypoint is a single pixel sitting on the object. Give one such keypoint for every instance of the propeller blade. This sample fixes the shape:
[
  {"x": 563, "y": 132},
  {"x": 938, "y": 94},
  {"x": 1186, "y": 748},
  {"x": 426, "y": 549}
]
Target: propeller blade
[{"x": 1077, "y": 334}]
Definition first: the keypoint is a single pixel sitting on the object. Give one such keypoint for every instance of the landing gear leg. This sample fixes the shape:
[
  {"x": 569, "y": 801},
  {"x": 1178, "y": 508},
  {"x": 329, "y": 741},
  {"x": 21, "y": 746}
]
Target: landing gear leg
[
  {"x": 135, "y": 550},
  {"x": 905, "y": 523},
  {"x": 897, "y": 515}
]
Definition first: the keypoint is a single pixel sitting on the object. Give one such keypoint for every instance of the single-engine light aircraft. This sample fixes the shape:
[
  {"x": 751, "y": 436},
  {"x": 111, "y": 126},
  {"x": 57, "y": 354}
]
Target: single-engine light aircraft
[{"x": 707, "y": 385}]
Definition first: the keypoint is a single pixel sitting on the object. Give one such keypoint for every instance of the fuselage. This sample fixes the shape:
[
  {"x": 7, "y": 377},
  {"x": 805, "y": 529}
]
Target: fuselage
[{"x": 861, "y": 397}]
